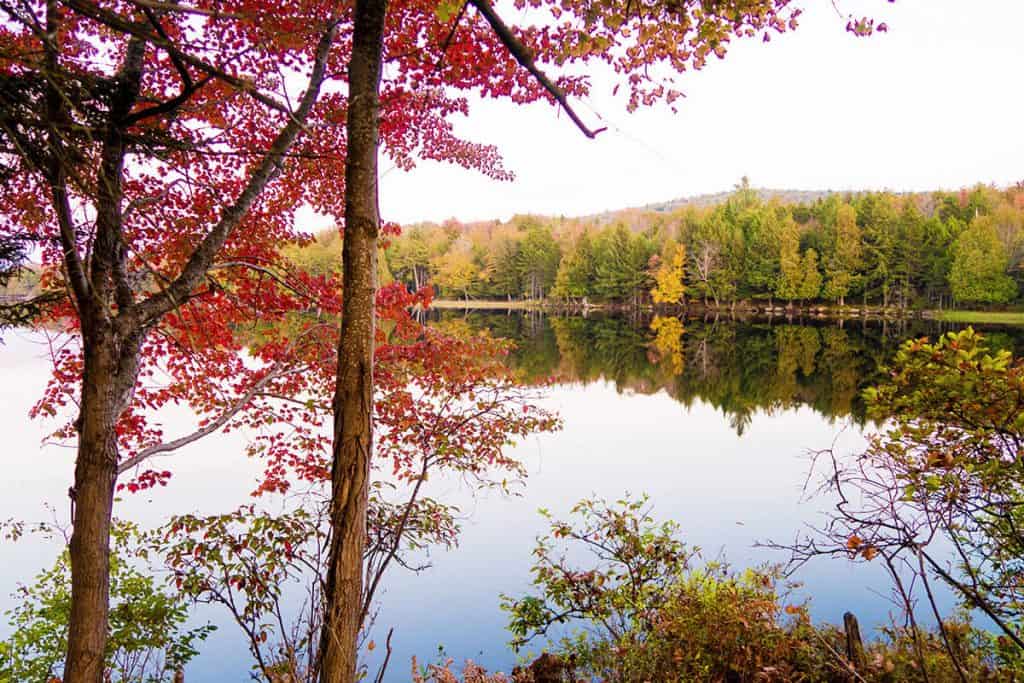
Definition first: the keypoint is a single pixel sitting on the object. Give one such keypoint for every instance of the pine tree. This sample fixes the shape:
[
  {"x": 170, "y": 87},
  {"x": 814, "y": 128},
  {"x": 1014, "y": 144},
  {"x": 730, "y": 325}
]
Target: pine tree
[
  {"x": 845, "y": 259},
  {"x": 575, "y": 277},
  {"x": 791, "y": 275},
  {"x": 810, "y": 280}
]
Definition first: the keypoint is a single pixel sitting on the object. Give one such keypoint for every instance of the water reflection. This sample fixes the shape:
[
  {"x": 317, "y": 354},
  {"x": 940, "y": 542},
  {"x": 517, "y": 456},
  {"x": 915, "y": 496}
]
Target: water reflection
[
  {"x": 737, "y": 367},
  {"x": 712, "y": 418}
]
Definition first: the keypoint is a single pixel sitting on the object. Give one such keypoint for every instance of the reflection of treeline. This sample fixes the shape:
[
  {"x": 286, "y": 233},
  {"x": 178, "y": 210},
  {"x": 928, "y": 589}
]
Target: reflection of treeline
[
  {"x": 739, "y": 368},
  {"x": 921, "y": 250}
]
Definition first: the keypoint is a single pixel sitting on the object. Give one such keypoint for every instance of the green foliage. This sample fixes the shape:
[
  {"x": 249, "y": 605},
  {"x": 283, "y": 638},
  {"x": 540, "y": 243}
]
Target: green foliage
[
  {"x": 762, "y": 228},
  {"x": 537, "y": 260},
  {"x": 791, "y": 274},
  {"x": 810, "y": 276},
  {"x": 645, "y": 611},
  {"x": 147, "y": 641},
  {"x": 621, "y": 264},
  {"x": 945, "y": 473},
  {"x": 956, "y": 447},
  {"x": 893, "y": 250},
  {"x": 978, "y": 273},
  {"x": 637, "y": 561},
  {"x": 575, "y": 277},
  {"x": 242, "y": 561},
  {"x": 844, "y": 258}
]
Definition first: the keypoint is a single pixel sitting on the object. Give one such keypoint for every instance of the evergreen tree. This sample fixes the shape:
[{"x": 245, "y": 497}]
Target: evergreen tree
[
  {"x": 621, "y": 261},
  {"x": 506, "y": 280},
  {"x": 791, "y": 275},
  {"x": 537, "y": 261},
  {"x": 845, "y": 257},
  {"x": 810, "y": 276},
  {"x": 877, "y": 219},
  {"x": 762, "y": 230},
  {"x": 575, "y": 276},
  {"x": 978, "y": 273}
]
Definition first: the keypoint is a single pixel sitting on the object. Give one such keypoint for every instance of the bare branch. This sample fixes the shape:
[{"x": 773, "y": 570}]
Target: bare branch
[
  {"x": 274, "y": 373},
  {"x": 523, "y": 55}
]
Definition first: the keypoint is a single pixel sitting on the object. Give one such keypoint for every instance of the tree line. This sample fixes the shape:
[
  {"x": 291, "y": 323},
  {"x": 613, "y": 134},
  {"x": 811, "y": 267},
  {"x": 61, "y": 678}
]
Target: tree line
[{"x": 911, "y": 251}]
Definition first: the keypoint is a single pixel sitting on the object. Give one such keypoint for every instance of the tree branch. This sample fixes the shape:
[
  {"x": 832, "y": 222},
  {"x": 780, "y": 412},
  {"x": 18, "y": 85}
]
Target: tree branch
[
  {"x": 523, "y": 55},
  {"x": 119, "y": 23},
  {"x": 169, "y": 446},
  {"x": 202, "y": 258}
]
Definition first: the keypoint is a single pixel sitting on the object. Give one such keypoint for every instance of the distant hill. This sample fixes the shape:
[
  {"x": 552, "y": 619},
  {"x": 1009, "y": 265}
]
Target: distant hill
[
  {"x": 765, "y": 194},
  {"x": 716, "y": 198}
]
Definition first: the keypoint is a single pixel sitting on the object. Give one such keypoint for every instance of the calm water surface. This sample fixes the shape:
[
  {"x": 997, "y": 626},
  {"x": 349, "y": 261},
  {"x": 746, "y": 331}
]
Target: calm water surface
[{"x": 714, "y": 423}]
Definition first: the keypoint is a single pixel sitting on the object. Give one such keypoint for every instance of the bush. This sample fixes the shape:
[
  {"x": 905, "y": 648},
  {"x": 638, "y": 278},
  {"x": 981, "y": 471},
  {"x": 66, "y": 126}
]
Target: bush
[
  {"x": 646, "y": 610},
  {"x": 146, "y": 642}
]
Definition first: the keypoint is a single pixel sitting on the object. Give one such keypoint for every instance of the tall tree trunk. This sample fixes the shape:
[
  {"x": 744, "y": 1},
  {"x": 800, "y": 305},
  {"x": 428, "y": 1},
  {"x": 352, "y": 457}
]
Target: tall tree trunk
[
  {"x": 353, "y": 394},
  {"x": 111, "y": 368}
]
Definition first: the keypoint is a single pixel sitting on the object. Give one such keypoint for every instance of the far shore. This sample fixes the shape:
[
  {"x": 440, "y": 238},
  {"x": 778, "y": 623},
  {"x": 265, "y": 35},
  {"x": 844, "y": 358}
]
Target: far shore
[{"x": 743, "y": 309}]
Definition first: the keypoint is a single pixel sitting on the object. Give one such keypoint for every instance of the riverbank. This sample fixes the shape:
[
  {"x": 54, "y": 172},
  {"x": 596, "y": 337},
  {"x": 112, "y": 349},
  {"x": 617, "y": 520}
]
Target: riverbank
[
  {"x": 742, "y": 310},
  {"x": 990, "y": 317},
  {"x": 492, "y": 304}
]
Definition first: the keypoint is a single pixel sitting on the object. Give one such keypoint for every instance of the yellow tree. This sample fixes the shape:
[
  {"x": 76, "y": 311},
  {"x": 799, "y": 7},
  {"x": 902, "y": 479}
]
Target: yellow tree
[
  {"x": 669, "y": 278},
  {"x": 668, "y": 341},
  {"x": 456, "y": 272}
]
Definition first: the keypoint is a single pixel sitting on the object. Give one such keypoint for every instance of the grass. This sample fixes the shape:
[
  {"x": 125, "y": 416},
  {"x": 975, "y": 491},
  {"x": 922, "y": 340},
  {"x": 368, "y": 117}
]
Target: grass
[{"x": 995, "y": 317}]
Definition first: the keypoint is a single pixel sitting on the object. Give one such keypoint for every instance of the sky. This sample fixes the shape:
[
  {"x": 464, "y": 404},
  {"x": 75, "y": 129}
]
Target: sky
[{"x": 935, "y": 103}]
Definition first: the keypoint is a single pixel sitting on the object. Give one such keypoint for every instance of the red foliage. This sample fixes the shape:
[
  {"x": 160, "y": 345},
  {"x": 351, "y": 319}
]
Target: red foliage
[{"x": 249, "y": 342}]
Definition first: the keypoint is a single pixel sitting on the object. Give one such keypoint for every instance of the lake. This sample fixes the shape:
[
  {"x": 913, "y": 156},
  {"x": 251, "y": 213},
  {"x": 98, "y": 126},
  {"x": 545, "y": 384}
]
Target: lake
[{"x": 713, "y": 419}]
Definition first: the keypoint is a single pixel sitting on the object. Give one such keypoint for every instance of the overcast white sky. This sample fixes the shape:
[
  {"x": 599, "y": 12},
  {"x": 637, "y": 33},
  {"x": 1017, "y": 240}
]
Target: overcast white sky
[{"x": 938, "y": 102}]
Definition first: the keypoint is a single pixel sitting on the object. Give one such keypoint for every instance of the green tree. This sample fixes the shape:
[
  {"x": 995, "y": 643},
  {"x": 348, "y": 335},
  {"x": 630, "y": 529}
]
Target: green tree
[
  {"x": 789, "y": 285},
  {"x": 844, "y": 259},
  {"x": 762, "y": 227},
  {"x": 621, "y": 261},
  {"x": 575, "y": 277},
  {"x": 537, "y": 260},
  {"x": 410, "y": 256},
  {"x": 877, "y": 220},
  {"x": 810, "y": 276},
  {"x": 716, "y": 256},
  {"x": 503, "y": 266},
  {"x": 978, "y": 272},
  {"x": 147, "y": 641}
]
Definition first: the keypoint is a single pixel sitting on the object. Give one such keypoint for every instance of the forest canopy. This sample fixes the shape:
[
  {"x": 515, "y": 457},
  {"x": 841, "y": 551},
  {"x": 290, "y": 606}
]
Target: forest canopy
[{"x": 924, "y": 250}]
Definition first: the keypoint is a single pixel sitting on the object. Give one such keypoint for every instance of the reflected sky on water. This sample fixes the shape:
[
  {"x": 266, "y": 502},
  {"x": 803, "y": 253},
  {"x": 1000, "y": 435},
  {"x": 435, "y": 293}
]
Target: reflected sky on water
[{"x": 715, "y": 425}]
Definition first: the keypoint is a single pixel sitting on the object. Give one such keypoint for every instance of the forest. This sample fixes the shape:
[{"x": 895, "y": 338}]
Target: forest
[{"x": 907, "y": 251}]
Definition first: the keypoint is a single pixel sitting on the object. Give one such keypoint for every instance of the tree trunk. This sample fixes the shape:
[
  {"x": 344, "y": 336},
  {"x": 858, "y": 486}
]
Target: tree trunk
[
  {"x": 107, "y": 382},
  {"x": 353, "y": 395}
]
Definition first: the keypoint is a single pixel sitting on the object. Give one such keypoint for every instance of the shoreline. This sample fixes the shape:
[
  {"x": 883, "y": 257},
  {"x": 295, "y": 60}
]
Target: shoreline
[{"x": 741, "y": 310}]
